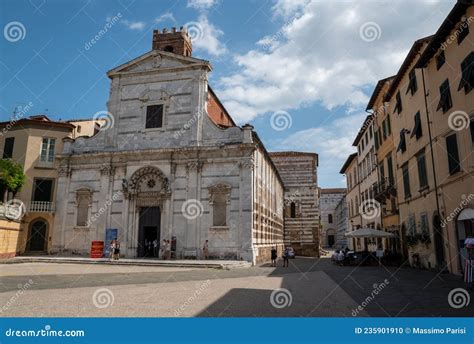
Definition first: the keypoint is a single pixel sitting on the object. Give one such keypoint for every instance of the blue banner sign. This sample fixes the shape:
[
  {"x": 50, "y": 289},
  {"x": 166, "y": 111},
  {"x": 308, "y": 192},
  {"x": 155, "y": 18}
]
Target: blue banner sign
[{"x": 237, "y": 330}]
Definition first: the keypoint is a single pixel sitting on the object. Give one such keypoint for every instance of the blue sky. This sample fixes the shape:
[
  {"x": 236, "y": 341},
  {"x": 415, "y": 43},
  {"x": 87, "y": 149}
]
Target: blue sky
[{"x": 301, "y": 72}]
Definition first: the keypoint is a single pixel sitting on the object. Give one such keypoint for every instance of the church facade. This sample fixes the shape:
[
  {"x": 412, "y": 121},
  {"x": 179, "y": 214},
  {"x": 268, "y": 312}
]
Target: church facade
[{"x": 169, "y": 164}]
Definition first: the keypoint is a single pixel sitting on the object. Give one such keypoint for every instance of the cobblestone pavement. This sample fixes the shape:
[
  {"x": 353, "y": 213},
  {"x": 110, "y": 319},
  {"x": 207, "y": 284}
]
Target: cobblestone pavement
[{"x": 309, "y": 287}]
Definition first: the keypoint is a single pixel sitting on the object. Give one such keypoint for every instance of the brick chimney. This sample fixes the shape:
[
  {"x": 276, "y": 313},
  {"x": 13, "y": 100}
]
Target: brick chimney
[{"x": 177, "y": 42}]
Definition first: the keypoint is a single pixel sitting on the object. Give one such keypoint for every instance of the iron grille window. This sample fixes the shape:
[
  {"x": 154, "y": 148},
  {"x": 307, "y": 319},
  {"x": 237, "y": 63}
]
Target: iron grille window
[
  {"x": 417, "y": 131},
  {"x": 422, "y": 175},
  {"x": 154, "y": 116},
  {"x": 398, "y": 105},
  {"x": 406, "y": 181},
  {"x": 467, "y": 71},
  {"x": 412, "y": 85},
  {"x": 440, "y": 60},
  {"x": 453, "y": 154},
  {"x": 8, "y": 148},
  {"x": 445, "y": 101}
]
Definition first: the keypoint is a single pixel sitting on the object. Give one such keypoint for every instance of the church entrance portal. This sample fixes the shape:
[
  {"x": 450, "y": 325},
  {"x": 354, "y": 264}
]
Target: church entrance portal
[{"x": 148, "y": 231}]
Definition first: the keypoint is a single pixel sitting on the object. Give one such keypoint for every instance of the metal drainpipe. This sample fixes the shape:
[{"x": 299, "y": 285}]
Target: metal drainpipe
[
  {"x": 377, "y": 164},
  {"x": 431, "y": 148}
]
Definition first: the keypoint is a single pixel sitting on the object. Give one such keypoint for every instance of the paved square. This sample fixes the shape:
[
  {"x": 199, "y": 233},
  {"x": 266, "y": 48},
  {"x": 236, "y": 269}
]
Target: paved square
[{"x": 309, "y": 287}]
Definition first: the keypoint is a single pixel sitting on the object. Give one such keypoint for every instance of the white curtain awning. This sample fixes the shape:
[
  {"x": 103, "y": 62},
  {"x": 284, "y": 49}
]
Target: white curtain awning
[
  {"x": 466, "y": 214},
  {"x": 369, "y": 233}
]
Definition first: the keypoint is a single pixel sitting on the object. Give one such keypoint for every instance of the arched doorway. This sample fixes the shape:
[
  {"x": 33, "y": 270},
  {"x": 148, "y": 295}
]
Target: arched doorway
[
  {"x": 464, "y": 229},
  {"x": 438, "y": 241},
  {"x": 37, "y": 235}
]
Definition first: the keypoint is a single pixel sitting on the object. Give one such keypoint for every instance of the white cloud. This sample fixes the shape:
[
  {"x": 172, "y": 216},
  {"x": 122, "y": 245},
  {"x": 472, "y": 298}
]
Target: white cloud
[
  {"x": 319, "y": 56},
  {"x": 205, "y": 36},
  {"x": 201, "y": 4},
  {"x": 164, "y": 17},
  {"x": 134, "y": 25}
]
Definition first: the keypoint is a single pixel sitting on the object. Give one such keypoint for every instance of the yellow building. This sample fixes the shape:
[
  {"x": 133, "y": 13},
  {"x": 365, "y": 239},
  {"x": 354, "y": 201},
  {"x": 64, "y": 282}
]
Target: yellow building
[
  {"x": 349, "y": 169},
  {"x": 385, "y": 189},
  {"x": 448, "y": 69},
  {"x": 34, "y": 142}
]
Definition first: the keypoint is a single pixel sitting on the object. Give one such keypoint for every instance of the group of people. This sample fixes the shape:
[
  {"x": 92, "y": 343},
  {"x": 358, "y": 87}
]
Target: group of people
[
  {"x": 339, "y": 255},
  {"x": 285, "y": 256},
  {"x": 154, "y": 249},
  {"x": 114, "y": 250}
]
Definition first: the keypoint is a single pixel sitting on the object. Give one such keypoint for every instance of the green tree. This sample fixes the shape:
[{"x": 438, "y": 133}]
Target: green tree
[{"x": 12, "y": 177}]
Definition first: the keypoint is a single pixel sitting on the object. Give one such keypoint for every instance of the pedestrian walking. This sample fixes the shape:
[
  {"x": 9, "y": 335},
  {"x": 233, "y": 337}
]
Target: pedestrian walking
[
  {"x": 168, "y": 249},
  {"x": 117, "y": 250},
  {"x": 286, "y": 255},
  {"x": 274, "y": 256},
  {"x": 112, "y": 249},
  {"x": 205, "y": 249},
  {"x": 163, "y": 250}
]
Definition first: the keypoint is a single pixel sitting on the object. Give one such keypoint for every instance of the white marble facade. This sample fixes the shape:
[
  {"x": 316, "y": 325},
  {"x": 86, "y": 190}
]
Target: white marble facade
[{"x": 178, "y": 167}]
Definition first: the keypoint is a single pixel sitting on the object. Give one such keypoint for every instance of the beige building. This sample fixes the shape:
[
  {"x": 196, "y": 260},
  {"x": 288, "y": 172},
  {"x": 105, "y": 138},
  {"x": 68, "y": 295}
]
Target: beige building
[
  {"x": 368, "y": 208},
  {"x": 349, "y": 169},
  {"x": 34, "y": 143},
  {"x": 448, "y": 68},
  {"x": 298, "y": 171},
  {"x": 422, "y": 122},
  {"x": 328, "y": 200}
]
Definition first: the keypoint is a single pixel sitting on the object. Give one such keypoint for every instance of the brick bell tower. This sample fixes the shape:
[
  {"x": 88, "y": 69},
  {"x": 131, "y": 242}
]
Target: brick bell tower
[{"x": 177, "y": 42}]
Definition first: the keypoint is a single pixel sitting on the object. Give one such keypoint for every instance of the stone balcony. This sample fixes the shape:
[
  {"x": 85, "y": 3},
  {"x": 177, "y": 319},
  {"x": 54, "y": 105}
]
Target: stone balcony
[{"x": 41, "y": 207}]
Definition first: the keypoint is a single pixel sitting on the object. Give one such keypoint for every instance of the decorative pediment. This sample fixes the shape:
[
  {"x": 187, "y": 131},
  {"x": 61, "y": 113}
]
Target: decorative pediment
[
  {"x": 154, "y": 60},
  {"x": 218, "y": 190}
]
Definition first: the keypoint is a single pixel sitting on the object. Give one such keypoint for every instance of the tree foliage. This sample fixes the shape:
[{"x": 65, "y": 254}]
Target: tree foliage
[{"x": 12, "y": 177}]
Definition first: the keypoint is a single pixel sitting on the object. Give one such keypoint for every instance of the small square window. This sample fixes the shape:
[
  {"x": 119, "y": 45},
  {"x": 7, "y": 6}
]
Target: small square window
[{"x": 154, "y": 116}]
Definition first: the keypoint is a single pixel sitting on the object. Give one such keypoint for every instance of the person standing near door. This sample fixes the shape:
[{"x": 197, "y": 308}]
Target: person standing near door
[
  {"x": 205, "y": 249},
  {"x": 155, "y": 248},
  {"x": 163, "y": 249},
  {"x": 274, "y": 256},
  {"x": 168, "y": 249},
  {"x": 117, "y": 250}
]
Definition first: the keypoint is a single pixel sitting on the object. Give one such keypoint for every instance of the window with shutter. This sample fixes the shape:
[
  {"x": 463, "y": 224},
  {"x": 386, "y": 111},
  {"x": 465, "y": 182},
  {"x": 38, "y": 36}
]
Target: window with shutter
[
  {"x": 406, "y": 181},
  {"x": 453, "y": 154},
  {"x": 398, "y": 105},
  {"x": 389, "y": 128},
  {"x": 440, "y": 59},
  {"x": 154, "y": 116},
  {"x": 8, "y": 148},
  {"x": 467, "y": 73},
  {"x": 376, "y": 140},
  {"x": 445, "y": 101},
  {"x": 463, "y": 31},
  {"x": 412, "y": 85},
  {"x": 422, "y": 176},
  {"x": 402, "y": 144},
  {"x": 417, "y": 131}
]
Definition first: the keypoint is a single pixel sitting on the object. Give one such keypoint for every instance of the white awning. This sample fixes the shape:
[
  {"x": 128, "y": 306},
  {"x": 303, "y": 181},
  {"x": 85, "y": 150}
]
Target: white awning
[
  {"x": 466, "y": 214},
  {"x": 369, "y": 233}
]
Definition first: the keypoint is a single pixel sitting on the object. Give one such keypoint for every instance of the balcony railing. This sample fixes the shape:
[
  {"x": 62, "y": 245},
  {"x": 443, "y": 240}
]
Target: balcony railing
[
  {"x": 384, "y": 188},
  {"x": 41, "y": 207}
]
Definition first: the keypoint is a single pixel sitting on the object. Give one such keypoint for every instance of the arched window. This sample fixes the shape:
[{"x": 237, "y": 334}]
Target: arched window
[
  {"x": 292, "y": 210},
  {"x": 169, "y": 48}
]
